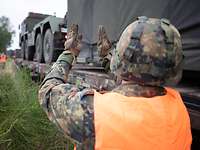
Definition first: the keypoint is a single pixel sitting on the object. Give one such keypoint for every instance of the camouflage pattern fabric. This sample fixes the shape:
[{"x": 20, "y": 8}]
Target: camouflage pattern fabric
[
  {"x": 149, "y": 52},
  {"x": 139, "y": 91},
  {"x": 104, "y": 45},
  {"x": 68, "y": 106},
  {"x": 151, "y": 55}
]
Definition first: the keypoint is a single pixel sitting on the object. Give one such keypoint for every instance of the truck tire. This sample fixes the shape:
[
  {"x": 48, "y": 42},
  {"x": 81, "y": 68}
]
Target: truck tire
[
  {"x": 26, "y": 49},
  {"x": 23, "y": 50},
  {"x": 38, "y": 48},
  {"x": 29, "y": 51},
  {"x": 48, "y": 47}
]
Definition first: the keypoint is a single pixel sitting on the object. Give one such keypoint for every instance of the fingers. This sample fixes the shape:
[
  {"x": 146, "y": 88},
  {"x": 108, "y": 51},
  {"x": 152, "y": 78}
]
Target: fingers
[
  {"x": 103, "y": 43},
  {"x": 73, "y": 32},
  {"x": 73, "y": 39},
  {"x": 68, "y": 43},
  {"x": 100, "y": 32},
  {"x": 79, "y": 39},
  {"x": 74, "y": 29}
]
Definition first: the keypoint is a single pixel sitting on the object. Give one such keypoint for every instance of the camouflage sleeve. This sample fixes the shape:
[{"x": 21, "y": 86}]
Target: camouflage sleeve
[{"x": 66, "y": 105}]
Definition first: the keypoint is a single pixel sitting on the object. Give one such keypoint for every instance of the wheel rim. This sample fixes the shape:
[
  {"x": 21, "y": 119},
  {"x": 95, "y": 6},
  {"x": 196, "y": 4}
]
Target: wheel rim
[
  {"x": 38, "y": 48},
  {"x": 48, "y": 46}
]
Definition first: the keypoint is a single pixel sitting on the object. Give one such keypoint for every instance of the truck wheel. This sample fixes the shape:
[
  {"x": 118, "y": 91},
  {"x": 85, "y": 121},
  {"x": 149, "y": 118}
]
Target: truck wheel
[
  {"x": 48, "y": 47},
  {"x": 23, "y": 50},
  {"x": 26, "y": 49},
  {"x": 29, "y": 51},
  {"x": 38, "y": 48}
]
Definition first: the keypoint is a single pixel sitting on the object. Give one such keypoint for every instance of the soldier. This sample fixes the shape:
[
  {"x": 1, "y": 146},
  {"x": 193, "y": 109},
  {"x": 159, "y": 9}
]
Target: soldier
[{"x": 140, "y": 113}]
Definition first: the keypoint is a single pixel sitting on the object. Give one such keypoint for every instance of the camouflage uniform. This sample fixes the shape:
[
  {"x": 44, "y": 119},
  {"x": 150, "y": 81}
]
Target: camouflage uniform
[
  {"x": 140, "y": 56},
  {"x": 68, "y": 106}
]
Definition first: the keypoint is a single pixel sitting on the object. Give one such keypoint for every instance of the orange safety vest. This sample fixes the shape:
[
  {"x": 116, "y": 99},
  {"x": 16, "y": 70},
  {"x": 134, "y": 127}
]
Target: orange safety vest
[
  {"x": 137, "y": 123},
  {"x": 3, "y": 58}
]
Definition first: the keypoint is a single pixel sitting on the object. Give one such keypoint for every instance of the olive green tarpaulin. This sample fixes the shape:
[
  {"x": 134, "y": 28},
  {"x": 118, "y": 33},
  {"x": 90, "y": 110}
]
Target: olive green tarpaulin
[{"x": 115, "y": 15}]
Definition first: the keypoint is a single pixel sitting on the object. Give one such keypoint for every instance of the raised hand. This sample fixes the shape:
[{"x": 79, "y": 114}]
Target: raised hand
[
  {"x": 73, "y": 40},
  {"x": 104, "y": 45}
]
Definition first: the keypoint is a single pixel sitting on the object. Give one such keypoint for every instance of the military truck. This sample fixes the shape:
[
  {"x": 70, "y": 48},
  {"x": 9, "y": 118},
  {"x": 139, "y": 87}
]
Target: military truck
[{"x": 42, "y": 37}]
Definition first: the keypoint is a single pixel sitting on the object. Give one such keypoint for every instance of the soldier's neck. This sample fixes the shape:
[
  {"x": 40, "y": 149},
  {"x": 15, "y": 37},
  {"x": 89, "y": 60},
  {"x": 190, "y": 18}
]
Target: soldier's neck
[{"x": 130, "y": 88}]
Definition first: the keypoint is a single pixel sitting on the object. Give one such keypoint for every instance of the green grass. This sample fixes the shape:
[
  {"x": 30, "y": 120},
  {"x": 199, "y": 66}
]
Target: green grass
[{"x": 23, "y": 124}]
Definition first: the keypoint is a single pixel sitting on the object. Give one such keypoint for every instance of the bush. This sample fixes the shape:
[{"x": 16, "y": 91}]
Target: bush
[{"x": 23, "y": 124}]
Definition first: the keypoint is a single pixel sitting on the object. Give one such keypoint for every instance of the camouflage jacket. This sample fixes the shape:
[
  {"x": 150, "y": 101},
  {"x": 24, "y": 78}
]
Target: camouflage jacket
[
  {"x": 71, "y": 107},
  {"x": 68, "y": 106}
]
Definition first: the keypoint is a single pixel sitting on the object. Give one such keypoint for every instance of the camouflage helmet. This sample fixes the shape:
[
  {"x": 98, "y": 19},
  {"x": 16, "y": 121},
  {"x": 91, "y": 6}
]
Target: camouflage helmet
[{"x": 149, "y": 52}]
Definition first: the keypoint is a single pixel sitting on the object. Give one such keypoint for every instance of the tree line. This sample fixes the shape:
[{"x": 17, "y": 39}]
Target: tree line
[{"x": 6, "y": 33}]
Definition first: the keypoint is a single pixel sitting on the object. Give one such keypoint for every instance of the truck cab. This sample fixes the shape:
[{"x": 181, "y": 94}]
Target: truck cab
[
  {"x": 42, "y": 37},
  {"x": 26, "y": 28}
]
